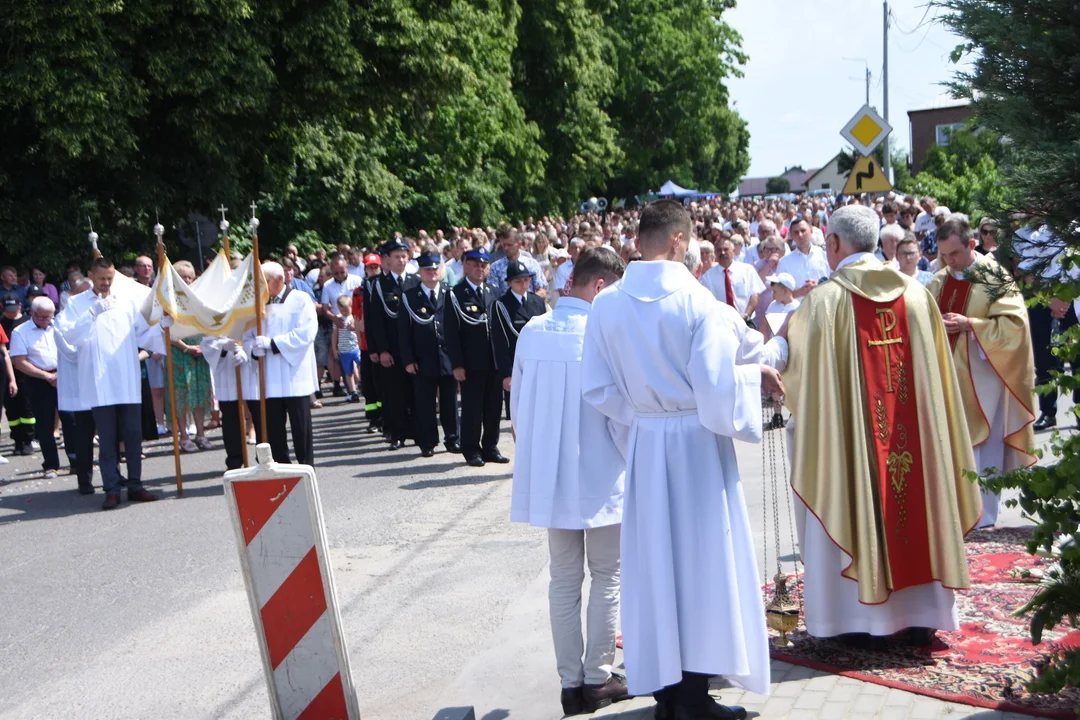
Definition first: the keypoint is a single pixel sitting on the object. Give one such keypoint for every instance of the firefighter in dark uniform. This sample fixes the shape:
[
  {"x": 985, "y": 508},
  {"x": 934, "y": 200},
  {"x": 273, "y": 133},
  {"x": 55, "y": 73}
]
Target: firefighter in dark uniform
[
  {"x": 395, "y": 384},
  {"x": 512, "y": 311},
  {"x": 421, "y": 330},
  {"x": 468, "y": 342},
  {"x": 362, "y": 304}
]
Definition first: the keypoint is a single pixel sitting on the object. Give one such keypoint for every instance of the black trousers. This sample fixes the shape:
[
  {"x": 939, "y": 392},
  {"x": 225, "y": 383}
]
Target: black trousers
[
  {"x": 42, "y": 396},
  {"x": 1041, "y": 323},
  {"x": 481, "y": 410},
  {"x": 83, "y": 450},
  {"x": 19, "y": 413},
  {"x": 232, "y": 433},
  {"x": 368, "y": 375},
  {"x": 396, "y": 392},
  {"x": 425, "y": 390},
  {"x": 298, "y": 412},
  {"x": 116, "y": 423}
]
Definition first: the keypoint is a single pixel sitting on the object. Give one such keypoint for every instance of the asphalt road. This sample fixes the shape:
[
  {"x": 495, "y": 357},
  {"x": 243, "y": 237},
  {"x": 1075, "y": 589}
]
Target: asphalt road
[{"x": 141, "y": 612}]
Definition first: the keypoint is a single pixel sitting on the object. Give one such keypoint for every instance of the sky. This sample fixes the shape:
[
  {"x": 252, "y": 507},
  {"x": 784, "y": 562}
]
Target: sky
[{"x": 796, "y": 94}]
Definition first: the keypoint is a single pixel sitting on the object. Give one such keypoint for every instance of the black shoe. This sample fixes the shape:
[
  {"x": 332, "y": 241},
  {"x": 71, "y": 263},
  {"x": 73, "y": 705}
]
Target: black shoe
[
  {"x": 919, "y": 636},
  {"x": 572, "y": 701},
  {"x": 475, "y": 461},
  {"x": 23, "y": 450},
  {"x": 387, "y": 437},
  {"x": 397, "y": 445},
  {"x": 496, "y": 457},
  {"x": 339, "y": 391},
  {"x": 318, "y": 395},
  {"x": 452, "y": 446},
  {"x": 86, "y": 489},
  {"x": 427, "y": 452},
  {"x": 371, "y": 429},
  {"x": 1045, "y": 422},
  {"x": 112, "y": 501}
]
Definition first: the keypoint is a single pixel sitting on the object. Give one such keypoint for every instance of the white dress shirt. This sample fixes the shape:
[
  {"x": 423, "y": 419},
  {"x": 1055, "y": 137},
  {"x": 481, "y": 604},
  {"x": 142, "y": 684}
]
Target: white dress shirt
[
  {"x": 803, "y": 267},
  {"x": 745, "y": 283},
  {"x": 333, "y": 290},
  {"x": 38, "y": 345}
]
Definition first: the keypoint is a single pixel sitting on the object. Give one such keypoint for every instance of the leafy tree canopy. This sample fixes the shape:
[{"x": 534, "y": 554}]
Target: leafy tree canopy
[{"x": 346, "y": 121}]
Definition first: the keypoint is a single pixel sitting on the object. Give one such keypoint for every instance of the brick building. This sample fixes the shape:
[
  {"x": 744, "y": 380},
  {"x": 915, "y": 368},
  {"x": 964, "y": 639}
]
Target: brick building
[{"x": 930, "y": 127}]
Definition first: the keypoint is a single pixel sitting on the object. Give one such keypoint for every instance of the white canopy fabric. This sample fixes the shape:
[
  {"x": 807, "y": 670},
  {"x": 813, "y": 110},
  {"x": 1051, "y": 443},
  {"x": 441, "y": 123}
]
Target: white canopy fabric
[{"x": 670, "y": 188}]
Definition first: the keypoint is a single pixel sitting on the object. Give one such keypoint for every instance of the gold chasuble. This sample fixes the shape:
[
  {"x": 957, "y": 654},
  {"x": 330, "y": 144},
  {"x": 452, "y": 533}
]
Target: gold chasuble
[
  {"x": 1000, "y": 332},
  {"x": 881, "y": 443}
]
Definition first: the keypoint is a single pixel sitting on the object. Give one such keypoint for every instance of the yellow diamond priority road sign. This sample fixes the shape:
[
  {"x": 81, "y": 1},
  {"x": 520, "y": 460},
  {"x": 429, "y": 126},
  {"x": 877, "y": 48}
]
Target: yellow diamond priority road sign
[
  {"x": 867, "y": 177},
  {"x": 866, "y": 130}
]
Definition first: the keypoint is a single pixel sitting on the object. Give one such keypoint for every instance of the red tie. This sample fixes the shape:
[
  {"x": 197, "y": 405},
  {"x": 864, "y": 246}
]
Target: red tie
[{"x": 728, "y": 288}]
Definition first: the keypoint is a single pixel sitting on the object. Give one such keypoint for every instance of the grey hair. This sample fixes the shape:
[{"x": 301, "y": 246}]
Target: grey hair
[
  {"x": 705, "y": 246},
  {"x": 692, "y": 259},
  {"x": 41, "y": 303},
  {"x": 857, "y": 227},
  {"x": 893, "y": 231},
  {"x": 273, "y": 269},
  {"x": 577, "y": 242}
]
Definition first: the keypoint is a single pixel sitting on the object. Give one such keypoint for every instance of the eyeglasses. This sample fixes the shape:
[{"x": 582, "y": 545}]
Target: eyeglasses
[{"x": 987, "y": 231}]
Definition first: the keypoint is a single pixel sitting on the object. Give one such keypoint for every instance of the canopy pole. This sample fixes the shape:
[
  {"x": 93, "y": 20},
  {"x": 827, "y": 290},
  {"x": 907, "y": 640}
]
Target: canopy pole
[
  {"x": 259, "y": 280},
  {"x": 159, "y": 231},
  {"x": 239, "y": 382}
]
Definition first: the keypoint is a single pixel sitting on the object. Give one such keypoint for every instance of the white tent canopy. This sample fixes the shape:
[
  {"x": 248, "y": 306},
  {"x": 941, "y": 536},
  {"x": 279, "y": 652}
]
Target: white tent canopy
[{"x": 670, "y": 188}]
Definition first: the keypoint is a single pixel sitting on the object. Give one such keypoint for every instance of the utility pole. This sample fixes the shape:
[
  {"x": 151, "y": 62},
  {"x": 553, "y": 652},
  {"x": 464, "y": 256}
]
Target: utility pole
[
  {"x": 867, "y": 66},
  {"x": 885, "y": 85}
]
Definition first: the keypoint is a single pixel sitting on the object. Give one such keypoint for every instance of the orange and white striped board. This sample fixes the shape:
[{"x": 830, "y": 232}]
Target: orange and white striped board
[{"x": 284, "y": 557}]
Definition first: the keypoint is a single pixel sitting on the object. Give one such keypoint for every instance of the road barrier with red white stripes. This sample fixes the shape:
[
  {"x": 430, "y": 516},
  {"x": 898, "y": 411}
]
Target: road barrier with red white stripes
[{"x": 278, "y": 520}]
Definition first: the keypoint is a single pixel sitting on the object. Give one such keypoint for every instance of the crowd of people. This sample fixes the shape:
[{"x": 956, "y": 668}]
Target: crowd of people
[{"x": 450, "y": 331}]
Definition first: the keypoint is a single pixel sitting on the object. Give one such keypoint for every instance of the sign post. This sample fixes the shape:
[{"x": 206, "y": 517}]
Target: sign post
[
  {"x": 277, "y": 515},
  {"x": 865, "y": 131}
]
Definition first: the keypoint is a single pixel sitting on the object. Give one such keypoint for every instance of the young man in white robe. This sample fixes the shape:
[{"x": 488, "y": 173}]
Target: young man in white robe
[
  {"x": 108, "y": 329},
  {"x": 662, "y": 356},
  {"x": 228, "y": 360},
  {"x": 568, "y": 478},
  {"x": 287, "y": 349}
]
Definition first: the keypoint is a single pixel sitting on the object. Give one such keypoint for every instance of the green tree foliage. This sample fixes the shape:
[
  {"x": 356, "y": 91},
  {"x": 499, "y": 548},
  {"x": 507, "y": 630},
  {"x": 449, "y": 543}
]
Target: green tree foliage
[
  {"x": 1024, "y": 88},
  {"x": 777, "y": 185},
  {"x": 964, "y": 175},
  {"x": 671, "y": 104},
  {"x": 348, "y": 120}
]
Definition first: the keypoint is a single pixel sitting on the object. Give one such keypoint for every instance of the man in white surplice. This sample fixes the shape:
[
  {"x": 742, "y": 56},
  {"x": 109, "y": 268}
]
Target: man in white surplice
[
  {"x": 568, "y": 478},
  {"x": 662, "y": 356},
  {"x": 288, "y": 346}
]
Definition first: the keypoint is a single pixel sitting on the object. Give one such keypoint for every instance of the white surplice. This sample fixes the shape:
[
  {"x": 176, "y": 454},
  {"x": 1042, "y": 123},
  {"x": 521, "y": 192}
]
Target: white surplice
[
  {"x": 219, "y": 354},
  {"x": 108, "y": 345},
  {"x": 568, "y": 470},
  {"x": 290, "y": 370},
  {"x": 661, "y": 355}
]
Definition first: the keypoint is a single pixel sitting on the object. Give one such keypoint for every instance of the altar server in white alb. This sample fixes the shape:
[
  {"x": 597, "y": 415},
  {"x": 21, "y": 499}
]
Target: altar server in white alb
[
  {"x": 224, "y": 355},
  {"x": 662, "y": 356},
  {"x": 288, "y": 346},
  {"x": 568, "y": 478},
  {"x": 108, "y": 329}
]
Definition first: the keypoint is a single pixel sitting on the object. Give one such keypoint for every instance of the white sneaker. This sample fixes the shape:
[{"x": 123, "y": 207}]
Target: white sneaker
[
  {"x": 35, "y": 445},
  {"x": 50, "y": 475},
  {"x": 4, "y": 460},
  {"x": 162, "y": 430}
]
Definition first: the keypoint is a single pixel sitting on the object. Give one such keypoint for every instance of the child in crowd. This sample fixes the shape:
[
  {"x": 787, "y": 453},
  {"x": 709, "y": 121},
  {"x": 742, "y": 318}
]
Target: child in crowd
[
  {"x": 345, "y": 345},
  {"x": 784, "y": 300}
]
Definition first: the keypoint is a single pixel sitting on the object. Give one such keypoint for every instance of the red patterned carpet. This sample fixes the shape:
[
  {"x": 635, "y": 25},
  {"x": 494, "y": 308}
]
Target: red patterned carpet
[{"x": 985, "y": 664}]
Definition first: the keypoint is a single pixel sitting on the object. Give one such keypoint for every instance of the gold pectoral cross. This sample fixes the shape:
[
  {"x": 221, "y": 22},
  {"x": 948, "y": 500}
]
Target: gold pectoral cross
[
  {"x": 887, "y": 318},
  {"x": 952, "y": 302}
]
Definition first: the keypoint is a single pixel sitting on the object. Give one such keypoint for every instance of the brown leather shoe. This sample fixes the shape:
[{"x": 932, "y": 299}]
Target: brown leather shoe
[
  {"x": 112, "y": 501},
  {"x": 141, "y": 496},
  {"x": 599, "y": 696}
]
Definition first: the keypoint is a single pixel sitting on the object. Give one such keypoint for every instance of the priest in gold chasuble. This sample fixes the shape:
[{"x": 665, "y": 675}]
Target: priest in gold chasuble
[
  {"x": 991, "y": 348},
  {"x": 880, "y": 447}
]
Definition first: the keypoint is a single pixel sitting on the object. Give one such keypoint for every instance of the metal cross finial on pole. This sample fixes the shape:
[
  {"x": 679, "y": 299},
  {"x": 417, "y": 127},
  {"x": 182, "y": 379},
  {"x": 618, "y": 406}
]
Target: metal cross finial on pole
[
  {"x": 159, "y": 232},
  {"x": 259, "y": 310},
  {"x": 93, "y": 238}
]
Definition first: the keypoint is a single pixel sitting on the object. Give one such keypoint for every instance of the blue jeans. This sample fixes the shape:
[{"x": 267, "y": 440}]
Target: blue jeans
[{"x": 116, "y": 423}]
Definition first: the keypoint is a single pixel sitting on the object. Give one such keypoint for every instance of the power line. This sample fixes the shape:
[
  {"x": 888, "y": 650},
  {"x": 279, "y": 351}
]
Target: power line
[{"x": 912, "y": 31}]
